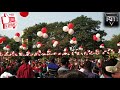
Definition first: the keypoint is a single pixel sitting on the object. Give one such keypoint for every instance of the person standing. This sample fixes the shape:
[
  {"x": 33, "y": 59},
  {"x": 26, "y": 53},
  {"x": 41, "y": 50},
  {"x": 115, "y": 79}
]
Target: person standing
[
  {"x": 64, "y": 68},
  {"x": 25, "y": 70},
  {"x": 52, "y": 68}
]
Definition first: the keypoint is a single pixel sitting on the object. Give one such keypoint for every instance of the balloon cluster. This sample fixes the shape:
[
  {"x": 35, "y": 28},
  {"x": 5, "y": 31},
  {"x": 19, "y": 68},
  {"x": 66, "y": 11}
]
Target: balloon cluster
[
  {"x": 17, "y": 37},
  {"x": 65, "y": 49},
  {"x": 43, "y": 33},
  {"x": 69, "y": 28},
  {"x": 38, "y": 44},
  {"x": 73, "y": 41},
  {"x": 55, "y": 43},
  {"x": 48, "y": 51},
  {"x": 23, "y": 47},
  {"x": 102, "y": 46},
  {"x": 96, "y": 37},
  {"x": 80, "y": 48},
  {"x": 118, "y": 44},
  {"x": 2, "y": 39},
  {"x": 7, "y": 48}
]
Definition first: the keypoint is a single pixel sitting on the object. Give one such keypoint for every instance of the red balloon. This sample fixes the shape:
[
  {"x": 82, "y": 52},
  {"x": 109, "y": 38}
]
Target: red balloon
[
  {"x": 38, "y": 43},
  {"x": 74, "y": 39},
  {"x": 17, "y": 34},
  {"x": 95, "y": 38},
  {"x": 24, "y": 14},
  {"x": 70, "y": 25},
  {"x": 24, "y": 45},
  {"x": 53, "y": 41},
  {"x": 102, "y": 44},
  {"x": 3, "y": 39},
  {"x": 66, "y": 49},
  {"x": 7, "y": 46},
  {"x": 81, "y": 47},
  {"x": 44, "y": 30}
]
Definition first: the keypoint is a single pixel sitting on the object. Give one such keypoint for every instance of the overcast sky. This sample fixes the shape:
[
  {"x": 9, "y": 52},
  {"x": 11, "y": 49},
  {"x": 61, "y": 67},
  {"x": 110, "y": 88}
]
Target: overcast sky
[{"x": 49, "y": 17}]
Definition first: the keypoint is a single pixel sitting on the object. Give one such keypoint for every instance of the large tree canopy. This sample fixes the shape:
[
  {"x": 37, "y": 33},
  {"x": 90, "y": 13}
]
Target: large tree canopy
[
  {"x": 112, "y": 43},
  {"x": 84, "y": 29}
]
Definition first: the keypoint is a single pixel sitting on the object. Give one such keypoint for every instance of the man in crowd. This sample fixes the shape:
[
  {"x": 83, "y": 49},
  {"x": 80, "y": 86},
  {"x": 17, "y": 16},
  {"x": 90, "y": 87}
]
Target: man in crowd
[
  {"x": 114, "y": 70},
  {"x": 52, "y": 68},
  {"x": 64, "y": 68},
  {"x": 25, "y": 70}
]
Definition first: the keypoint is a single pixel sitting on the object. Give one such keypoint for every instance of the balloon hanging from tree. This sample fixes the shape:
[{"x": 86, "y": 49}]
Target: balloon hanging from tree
[
  {"x": 73, "y": 41},
  {"x": 2, "y": 39},
  {"x": 65, "y": 49},
  {"x": 80, "y": 48},
  {"x": 23, "y": 47},
  {"x": 118, "y": 44},
  {"x": 102, "y": 46},
  {"x": 43, "y": 33},
  {"x": 7, "y": 48},
  {"x": 55, "y": 43},
  {"x": 38, "y": 44},
  {"x": 17, "y": 37},
  {"x": 69, "y": 28},
  {"x": 96, "y": 37}
]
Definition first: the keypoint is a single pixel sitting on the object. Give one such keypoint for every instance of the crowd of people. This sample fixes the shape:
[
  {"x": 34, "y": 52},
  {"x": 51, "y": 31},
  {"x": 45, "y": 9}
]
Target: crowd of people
[{"x": 59, "y": 67}]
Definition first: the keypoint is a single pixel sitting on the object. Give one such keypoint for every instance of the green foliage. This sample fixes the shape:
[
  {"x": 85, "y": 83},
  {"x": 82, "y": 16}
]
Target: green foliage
[
  {"x": 84, "y": 29},
  {"x": 112, "y": 43}
]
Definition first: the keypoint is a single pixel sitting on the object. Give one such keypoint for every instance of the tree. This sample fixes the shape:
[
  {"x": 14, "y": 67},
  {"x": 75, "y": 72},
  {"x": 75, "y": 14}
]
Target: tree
[
  {"x": 112, "y": 43},
  {"x": 84, "y": 29}
]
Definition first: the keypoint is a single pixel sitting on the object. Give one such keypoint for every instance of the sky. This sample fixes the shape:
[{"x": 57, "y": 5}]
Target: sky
[{"x": 50, "y": 17}]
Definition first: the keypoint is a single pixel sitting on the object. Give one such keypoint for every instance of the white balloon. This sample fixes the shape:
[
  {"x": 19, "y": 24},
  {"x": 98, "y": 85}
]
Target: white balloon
[
  {"x": 80, "y": 48},
  {"x": 4, "y": 48},
  {"x": 101, "y": 46},
  {"x": 98, "y": 35},
  {"x": 48, "y": 51},
  {"x": 39, "y": 45},
  {"x": 54, "y": 45},
  {"x": 34, "y": 46},
  {"x": 24, "y": 48},
  {"x": 56, "y": 42},
  {"x": 16, "y": 38},
  {"x": 65, "y": 49},
  {"x": 75, "y": 42},
  {"x": 39, "y": 34},
  {"x": 65, "y": 29},
  {"x": 21, "y": 47},
  {"x": 71, "y": 31},
  {"x": 7, "y": 49},
  {"x": 45, "y": 35},
  {"x": 118, "y": 44},
  {"x": 71, "y": 42}
]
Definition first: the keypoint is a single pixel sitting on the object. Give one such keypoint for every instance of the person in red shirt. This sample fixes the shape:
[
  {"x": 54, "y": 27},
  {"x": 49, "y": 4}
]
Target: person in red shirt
[
  {"x": 1, "y": 69},
  {"x": 25, "y": 70}
]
